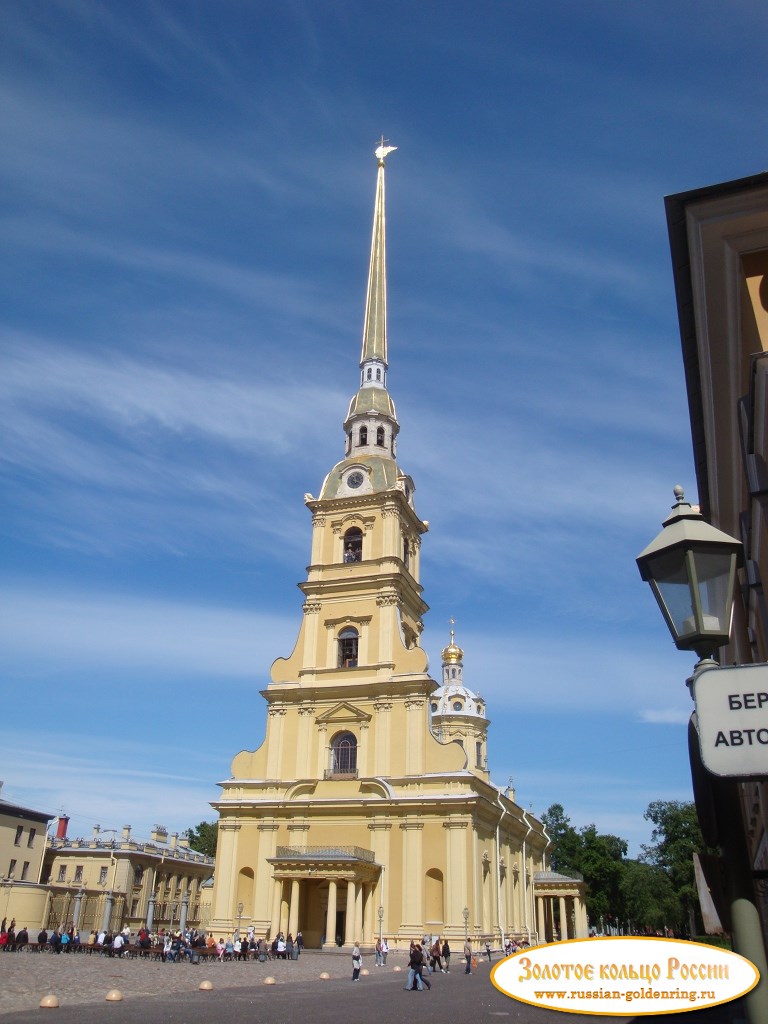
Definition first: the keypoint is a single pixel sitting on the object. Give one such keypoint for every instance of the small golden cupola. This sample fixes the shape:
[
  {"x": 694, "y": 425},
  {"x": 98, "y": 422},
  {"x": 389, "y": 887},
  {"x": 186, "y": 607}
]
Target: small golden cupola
[{"x": 457, "y": 712}]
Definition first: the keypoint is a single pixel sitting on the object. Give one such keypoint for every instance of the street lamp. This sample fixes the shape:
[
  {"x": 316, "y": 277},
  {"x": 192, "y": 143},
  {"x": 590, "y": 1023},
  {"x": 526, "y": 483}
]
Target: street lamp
[
  {"x": 240, "y": 909},
  {"x": 381, "y": 922},
  {"x": 465, "y": 915},
  {"x": 691, "y": 568}
]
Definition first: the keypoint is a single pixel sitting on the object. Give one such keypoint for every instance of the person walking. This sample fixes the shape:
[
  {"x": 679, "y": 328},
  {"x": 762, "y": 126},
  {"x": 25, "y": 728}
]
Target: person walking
[
  {"x": 447, "y": 957},
  {"x": 435, "y": 954},
  {"x": 468, "y": 956},
  {"x": 357, "y": 962},
  {"x": 423, "y": 962},
  {"x": 414, "y": 974},
  {"x": 488, "y": 952}
]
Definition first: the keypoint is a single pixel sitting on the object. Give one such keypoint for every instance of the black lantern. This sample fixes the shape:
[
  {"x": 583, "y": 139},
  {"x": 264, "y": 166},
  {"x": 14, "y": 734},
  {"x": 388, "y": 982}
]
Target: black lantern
[{"x": 691, "y": 568}]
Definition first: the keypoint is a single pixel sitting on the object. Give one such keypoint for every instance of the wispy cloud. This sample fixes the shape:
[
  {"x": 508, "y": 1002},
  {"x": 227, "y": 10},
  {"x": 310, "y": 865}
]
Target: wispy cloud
[{"x": 114, "y": 633}]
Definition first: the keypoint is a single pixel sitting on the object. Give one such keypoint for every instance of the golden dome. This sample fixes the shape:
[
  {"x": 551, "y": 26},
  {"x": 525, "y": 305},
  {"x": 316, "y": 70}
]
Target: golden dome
[{"x": 452, "y": 654}]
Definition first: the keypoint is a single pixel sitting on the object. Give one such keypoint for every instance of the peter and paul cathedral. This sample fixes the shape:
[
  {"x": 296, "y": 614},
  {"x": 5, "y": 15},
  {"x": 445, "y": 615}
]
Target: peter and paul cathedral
[{"x": 368, "y": 809}]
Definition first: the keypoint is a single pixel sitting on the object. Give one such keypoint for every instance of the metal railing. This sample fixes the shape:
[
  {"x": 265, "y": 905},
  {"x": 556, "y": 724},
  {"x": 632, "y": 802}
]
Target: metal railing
[
  {"x": 325, "y": 853},
  {"x": 338, "y": 773}
]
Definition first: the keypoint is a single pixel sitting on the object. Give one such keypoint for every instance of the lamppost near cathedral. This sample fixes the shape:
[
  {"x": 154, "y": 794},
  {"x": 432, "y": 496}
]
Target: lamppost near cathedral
[{"x": 465, "y": 915}]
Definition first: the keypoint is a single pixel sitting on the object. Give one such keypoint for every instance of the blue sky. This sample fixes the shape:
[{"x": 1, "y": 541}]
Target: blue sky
[{"x": 187, "y": 193}]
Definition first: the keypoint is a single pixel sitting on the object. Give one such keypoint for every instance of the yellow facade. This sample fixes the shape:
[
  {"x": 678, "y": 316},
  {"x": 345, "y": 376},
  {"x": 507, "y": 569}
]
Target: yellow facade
[
  {"x": 352, "y": 819},
  {"x": 22, "y": 845},
  {"x": 109, "y": 882}
]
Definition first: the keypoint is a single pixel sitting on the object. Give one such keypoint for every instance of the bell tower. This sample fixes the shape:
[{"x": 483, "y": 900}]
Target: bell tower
[{"x": 363, "y": 610}]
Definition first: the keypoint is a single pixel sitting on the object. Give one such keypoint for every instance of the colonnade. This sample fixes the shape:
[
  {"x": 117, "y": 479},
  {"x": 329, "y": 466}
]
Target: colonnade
[
  {"x": 572, "y": 916},
  {"x": 353, "y": 895}
]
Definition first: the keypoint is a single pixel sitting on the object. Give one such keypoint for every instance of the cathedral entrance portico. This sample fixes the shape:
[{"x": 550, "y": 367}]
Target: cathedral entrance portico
[{"x": 327, "y": 893}]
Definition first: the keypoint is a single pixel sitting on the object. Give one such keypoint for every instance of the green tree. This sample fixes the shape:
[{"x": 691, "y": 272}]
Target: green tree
[
  {"x": 675, "y": 838},
  {"x": 203, "y": 837},
  {"x": 596, "y": 857},
  {"x": 602, "y": 863},
  {"x": 566, "y": 846},
  {"x": 648, "y": 899}
]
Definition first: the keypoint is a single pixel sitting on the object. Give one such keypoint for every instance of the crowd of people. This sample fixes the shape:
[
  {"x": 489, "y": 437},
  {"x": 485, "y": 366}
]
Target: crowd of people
[
  {"x": 168, "y": 945},
  {"x": 427, "y": 957}
]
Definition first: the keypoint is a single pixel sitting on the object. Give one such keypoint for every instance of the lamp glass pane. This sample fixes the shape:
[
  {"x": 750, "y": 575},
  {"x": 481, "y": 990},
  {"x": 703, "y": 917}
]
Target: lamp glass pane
[
  {"x": 713, "y": 576},
  {"x": 669, "y": 578}
]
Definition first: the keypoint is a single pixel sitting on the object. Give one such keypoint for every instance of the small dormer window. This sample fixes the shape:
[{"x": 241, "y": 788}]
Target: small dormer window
[
  {"x": 434, "y": 707},
  {"x": 363, "y": 436},
  {"x": 457, "y": 705},
  {"x": 380, "y": 437},
  {"x": 378, "y": 374}
]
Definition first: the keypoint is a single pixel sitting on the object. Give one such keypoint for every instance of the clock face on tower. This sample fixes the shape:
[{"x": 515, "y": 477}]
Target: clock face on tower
[{"x": 354, "y": 479}]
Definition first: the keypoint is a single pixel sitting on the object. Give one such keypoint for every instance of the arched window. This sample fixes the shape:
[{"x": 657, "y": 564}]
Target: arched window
[
  {"x": 138, "y": 875},
  {"x": 344, "y": 753},
  {"x": 406, "y": 552},
  {"x": 368, "y": 374},
  {"x": 363, "y": 437},
  {"x": 380, "y": 436},
  {"x": 348, "y": 641},
  {"x": 453, "y": 673},
  {"x": 434, "y": 707},
  {"x": 353, "y": 545},
  {"x": 378, "y": 375}
]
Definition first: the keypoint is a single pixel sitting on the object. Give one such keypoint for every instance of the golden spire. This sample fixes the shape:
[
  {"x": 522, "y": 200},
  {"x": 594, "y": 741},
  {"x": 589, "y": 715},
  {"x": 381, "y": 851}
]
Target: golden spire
[{"x": 375, "y": 324}]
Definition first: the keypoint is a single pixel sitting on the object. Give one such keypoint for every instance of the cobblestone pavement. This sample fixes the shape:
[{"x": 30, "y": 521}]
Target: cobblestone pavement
[
  {"x": 79, "y": 978},
  {"x": 165, "y": 993}
]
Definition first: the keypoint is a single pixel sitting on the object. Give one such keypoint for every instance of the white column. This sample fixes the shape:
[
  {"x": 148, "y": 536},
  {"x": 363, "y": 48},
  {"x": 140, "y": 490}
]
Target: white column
[
  {"x": 358, "y": 936},
  {"x": 541, "y": 923},
  {"x": 277, "y": 902},
  {"x": 293, "y": 913},
  {"x": 349, "y": 922},
  {"x": 563, "y": 920},
  {"x": 330, "y": 915}
]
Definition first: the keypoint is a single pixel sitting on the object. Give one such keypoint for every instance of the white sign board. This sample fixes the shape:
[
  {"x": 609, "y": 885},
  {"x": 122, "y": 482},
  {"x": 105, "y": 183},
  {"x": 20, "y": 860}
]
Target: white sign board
[{"x": 732, "y": 708}]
